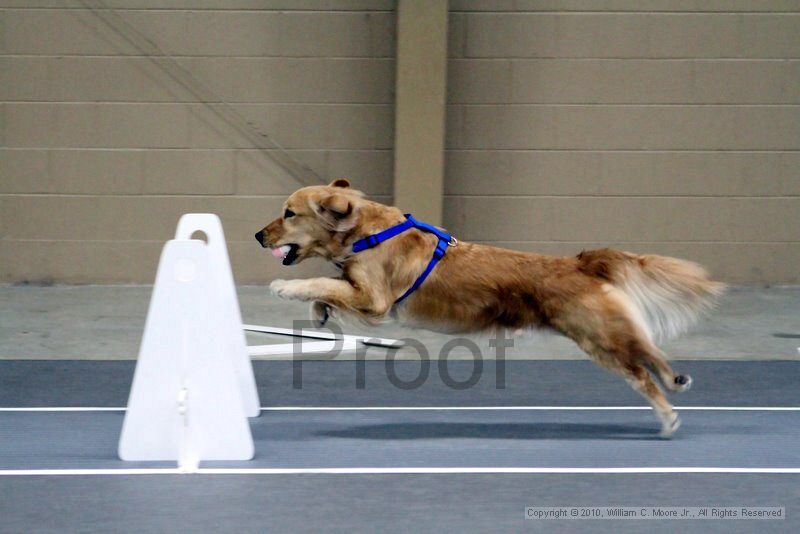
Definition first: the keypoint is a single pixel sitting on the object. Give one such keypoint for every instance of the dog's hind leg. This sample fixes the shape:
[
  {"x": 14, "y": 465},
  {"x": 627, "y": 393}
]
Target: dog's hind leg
[
  {"x": 652, "y": 357},
  {"x": 600, "y": 323},
  {"x": 637, "y": 376},
  {"x": 656, "y": 362},
  {"x": 641, "y": 381}
]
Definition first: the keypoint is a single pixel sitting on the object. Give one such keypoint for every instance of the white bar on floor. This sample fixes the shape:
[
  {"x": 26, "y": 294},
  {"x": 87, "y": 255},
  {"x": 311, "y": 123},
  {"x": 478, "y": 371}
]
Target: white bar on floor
[
  {"x": 316, "y": 334},
  {"x": 513, "y": 408},
  {"x": 403, "y": 471},
  {"x": 429, "y": 408}
]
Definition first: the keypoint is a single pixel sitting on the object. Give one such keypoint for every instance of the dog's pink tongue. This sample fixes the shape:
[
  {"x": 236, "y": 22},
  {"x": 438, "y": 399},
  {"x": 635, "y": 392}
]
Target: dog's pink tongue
[{"x": 281, "y": 252}]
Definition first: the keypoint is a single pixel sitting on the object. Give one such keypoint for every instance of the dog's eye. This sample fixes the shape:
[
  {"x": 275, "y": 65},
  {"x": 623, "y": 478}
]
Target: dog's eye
[{"x": 287, "y": 214}]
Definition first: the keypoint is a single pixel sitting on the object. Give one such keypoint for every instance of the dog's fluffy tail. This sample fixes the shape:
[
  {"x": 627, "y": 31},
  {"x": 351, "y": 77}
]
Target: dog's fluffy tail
[{"x": 670, "y": 294}]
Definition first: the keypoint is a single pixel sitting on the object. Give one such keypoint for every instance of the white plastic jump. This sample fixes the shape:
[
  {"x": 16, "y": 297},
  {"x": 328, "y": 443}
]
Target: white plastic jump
[{"x": 194, "y": 388}]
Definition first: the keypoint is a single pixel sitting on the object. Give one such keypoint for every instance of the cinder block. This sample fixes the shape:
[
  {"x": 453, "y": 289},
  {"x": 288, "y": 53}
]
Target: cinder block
[
  {"x": 337, "y": 34},
  {"x": 609, "y": 219},
  {"x": 78, "y": 262},
  {"x": 603, "y": 173},
  {"x": 454, "y": 127},
  {"x": 24, "y": 171},
  {"x": 456, "y": 43},
  {"x": 260, "y": 172},
  {"x": 359, "y": 127},
  {"x": 68, "y": 32},
  {"x": 3, "y": 41},
  {"x": 507, "y": 127},
  {"x": 308, "y": 126},
  {"x": 509, "y": 36},
  {"x": 479, "y": 81},
  {"x": 38, "y": 125},
  {"x": 24, "y": 78},
  {"x": 71, "y": 171},
  {"x": 216, "y": 5},
  {"x": 208, "y": 33},
  {"x": 136, "y": 218},
  {"x": 629, "y": 127},
  {"x": 190, "y": 172},
  {"x": 602, "y": 35},
  {"x": 29, "y": 125},
  {"x": 368, "y": 170},
  {"x": 237, "y": 126},
  {"x": 632, "y": 35},
  {"x": 111, "y": 79},
  {"x": 481, "y": 172},
  {"x": 762, "y": 82},
  {"x": 204, "y": 32},
  {"x": 296, "y": 80},
  {"x": 770, "y": 35},
  {"x": 3, "y": 124},
  {"x": 569, "y": 81},
  {"x": 368, "y": 81},
  {"x": 121, "y": 125},
  {"x": 293, "y": 126},
  {"x": 677, "y": 6},
  {"x": 96, "y": 172}
]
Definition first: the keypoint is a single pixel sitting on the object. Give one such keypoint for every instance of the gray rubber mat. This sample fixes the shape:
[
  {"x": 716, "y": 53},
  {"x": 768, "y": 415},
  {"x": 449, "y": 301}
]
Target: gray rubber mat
[
  {"x": 334, "y": 383},
  {"x": 441, "y": 438},
  {"x": 31, "y": 440}
]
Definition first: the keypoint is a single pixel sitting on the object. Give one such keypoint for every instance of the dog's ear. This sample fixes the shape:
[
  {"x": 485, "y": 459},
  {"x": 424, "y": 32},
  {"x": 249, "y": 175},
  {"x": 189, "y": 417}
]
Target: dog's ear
[
  {"x": 338, "y": 206},
  {"x": 338, "y": 212},
  {"x": 341, "y": 182}
]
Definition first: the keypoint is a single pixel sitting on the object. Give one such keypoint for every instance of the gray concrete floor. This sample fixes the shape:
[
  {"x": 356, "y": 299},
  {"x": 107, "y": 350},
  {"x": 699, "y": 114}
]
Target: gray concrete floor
[{"x": 106, "y": 322}]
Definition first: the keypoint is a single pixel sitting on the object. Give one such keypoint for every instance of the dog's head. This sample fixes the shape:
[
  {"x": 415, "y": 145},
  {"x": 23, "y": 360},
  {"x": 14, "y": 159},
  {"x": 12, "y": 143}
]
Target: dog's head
[{"x": 312, "y": 218}]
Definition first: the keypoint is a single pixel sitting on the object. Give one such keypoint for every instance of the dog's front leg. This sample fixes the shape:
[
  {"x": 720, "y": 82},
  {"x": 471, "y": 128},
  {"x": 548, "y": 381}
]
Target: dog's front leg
[
  {"x": 333, "y": 292},
  {"x": 311, "y": 289}
]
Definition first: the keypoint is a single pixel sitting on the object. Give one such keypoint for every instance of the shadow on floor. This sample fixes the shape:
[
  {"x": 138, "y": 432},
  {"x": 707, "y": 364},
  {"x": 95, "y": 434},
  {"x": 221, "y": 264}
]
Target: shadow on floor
[{"x": 401, "y": 431}]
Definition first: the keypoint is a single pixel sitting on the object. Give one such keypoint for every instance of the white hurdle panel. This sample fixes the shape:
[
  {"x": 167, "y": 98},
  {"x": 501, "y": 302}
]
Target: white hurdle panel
[
  {"x": 194, "y": 388},
  {"x": 186, "y": 402}
]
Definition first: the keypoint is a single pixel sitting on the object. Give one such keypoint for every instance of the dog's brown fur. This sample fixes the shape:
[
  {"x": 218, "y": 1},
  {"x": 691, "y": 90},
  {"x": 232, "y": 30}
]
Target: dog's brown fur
[{"x": 613, "y": 304}]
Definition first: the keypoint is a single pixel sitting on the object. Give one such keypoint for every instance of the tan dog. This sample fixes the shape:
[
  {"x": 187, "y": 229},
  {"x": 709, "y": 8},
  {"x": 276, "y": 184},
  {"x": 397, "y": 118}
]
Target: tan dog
[{"x": 613, "y": 304}]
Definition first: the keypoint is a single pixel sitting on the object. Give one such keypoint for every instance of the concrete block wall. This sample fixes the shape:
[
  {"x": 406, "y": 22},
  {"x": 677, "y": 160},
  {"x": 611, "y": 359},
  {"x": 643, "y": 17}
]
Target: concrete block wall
[
  {"x": 669, "y": 126},
  {"x": 102, "y": 150}
]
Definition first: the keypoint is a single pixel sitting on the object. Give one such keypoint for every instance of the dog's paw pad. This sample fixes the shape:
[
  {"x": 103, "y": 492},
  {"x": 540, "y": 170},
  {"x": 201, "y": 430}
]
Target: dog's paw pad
[
  {"x": 320, "y": 313},
  {"x": 683, "y": 382}
]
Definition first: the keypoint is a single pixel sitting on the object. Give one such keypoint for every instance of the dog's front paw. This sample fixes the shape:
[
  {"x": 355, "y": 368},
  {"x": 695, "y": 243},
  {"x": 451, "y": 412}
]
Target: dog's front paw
[{"x": 283, "y": 289}]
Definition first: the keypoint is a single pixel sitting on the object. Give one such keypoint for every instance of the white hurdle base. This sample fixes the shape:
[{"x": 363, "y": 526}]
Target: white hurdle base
[{"x": 328, "y": 341}]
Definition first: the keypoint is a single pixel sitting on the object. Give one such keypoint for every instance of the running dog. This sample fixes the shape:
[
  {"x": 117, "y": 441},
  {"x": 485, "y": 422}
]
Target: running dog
[{"x": 615, "y": 305}]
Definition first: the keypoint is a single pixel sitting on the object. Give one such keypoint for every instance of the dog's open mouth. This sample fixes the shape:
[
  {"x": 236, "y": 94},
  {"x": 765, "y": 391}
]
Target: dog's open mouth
[{"x": 287, "y": 253}]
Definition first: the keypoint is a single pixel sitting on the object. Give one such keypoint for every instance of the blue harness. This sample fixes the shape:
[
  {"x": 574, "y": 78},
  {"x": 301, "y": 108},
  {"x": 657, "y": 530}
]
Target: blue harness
[{"x": 445, "y": 240}]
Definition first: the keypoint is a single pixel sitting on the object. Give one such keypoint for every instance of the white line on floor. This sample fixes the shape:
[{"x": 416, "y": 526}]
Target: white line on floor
[
  {"x": 543, "y": 408},
  {"x": 429, "y": 408},
  {"x": 62, "y": 409},
  {"x": 400, "y": 471}
]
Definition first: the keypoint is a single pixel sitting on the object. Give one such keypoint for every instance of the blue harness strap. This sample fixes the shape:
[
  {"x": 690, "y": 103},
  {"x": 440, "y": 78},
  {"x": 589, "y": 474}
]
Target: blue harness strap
[{"x": 445, "y": 240}]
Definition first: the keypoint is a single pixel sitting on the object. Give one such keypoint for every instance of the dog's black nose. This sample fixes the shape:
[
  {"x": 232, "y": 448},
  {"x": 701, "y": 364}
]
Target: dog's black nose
[{"x": 260, "y": 237}]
